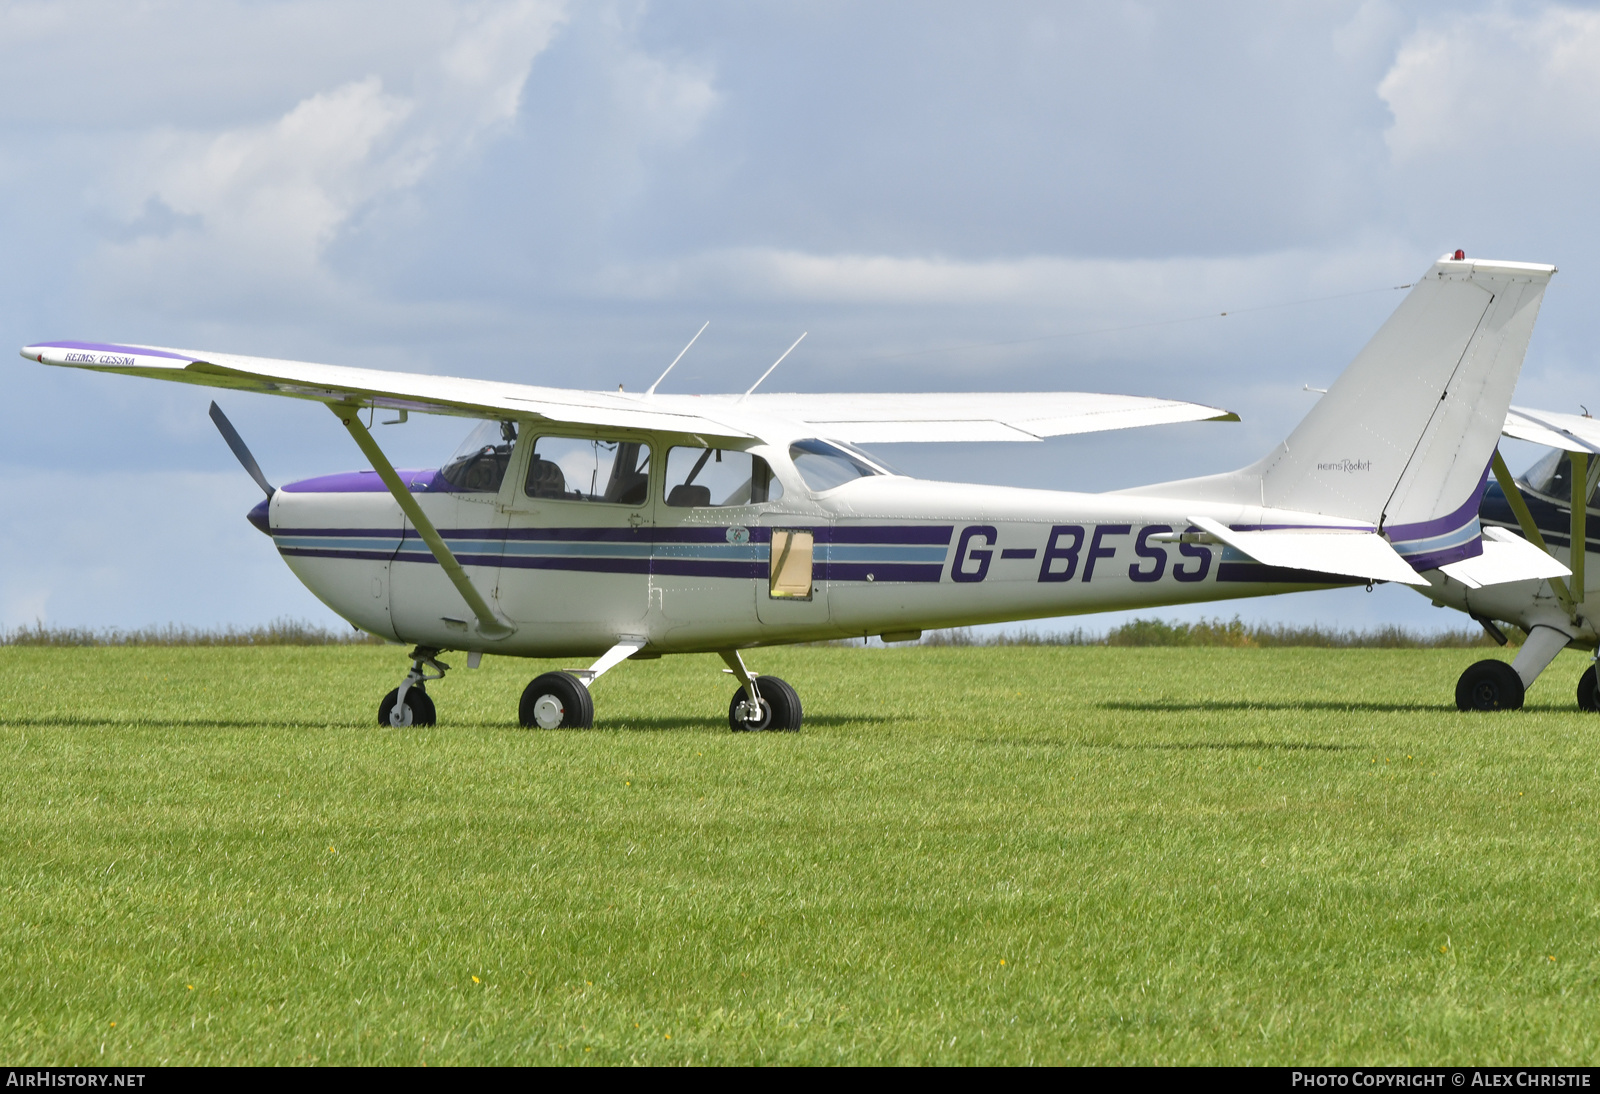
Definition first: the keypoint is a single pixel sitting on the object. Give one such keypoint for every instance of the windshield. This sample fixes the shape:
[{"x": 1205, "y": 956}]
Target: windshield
[
  {"x": 825, "y": 465},
  {"x": 479, "y": 465}
]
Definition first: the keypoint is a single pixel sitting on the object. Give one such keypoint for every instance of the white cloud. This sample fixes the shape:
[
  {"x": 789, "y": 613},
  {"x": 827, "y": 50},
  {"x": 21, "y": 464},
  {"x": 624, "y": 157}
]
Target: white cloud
[
  {"x": 1480, "y": 85},
  {"x": 254, "y": 206},
  {"x": 486, "y": 65},
  {"x": 276, "y": 193}
]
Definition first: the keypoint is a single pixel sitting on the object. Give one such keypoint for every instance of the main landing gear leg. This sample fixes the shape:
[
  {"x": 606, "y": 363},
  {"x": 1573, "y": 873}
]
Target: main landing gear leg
[
  {"x": 1495, "y": 685},
  {"x": 408, "y": 704},
  {"x": 560, "y": 700},
  {"x": 762, "y": 702}
]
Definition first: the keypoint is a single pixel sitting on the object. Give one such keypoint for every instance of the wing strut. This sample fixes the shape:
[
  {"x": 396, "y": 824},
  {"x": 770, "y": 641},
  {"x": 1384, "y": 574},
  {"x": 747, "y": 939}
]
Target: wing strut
[
  {"x": 1530, "y": 530},
  {"x": 489, "y": 625},
  {"x": 1580, "y": 522}
]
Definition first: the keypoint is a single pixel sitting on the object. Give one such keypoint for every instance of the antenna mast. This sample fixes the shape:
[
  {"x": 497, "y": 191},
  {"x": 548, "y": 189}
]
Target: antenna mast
[
  {"x": 775, "y": 364},
  {"x": 675, "y": 360}
]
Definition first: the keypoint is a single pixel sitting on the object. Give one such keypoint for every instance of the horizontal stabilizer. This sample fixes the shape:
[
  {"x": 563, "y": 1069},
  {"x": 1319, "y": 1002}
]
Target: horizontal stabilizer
[
  {"x": 1506, "y": 557},
  {"x": 1570, "y": 432},
  {"x": 1324, "y": 550}
]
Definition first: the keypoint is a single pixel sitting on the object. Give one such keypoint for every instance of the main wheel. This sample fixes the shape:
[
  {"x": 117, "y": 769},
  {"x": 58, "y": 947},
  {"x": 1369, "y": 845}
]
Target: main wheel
[
  {"x": 780, "y": 708},
  {"x": 1489, "y": 685},
  {"x": 418, "y": 709},
  {"x": 556, "y": 700},
  {"x": 1589, "y": 690}
]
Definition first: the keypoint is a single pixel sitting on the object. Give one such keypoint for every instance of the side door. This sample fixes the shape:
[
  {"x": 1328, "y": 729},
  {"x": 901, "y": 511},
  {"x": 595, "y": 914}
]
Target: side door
[
  {"x": 574, "y": 573},
  {"x": 710, "y": 559}
]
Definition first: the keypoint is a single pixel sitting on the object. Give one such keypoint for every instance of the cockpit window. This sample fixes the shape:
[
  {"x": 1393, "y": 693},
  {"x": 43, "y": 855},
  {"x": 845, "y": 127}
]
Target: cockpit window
[
  {"x": 717, "y": 476},
  {"x": 589, "y": 469},
  {"x": 479, "y": 465},
  {"x": 1552, "y": 475},
  {"x": 826, "y": 464}
]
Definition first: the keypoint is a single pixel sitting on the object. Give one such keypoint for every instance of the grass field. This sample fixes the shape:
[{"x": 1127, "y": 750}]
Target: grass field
[{"x": 1050, "y": 855}]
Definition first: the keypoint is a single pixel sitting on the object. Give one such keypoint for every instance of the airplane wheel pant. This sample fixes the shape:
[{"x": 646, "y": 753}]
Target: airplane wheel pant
[
  {"x": 1589, "y": 690},
  {"x": 1489, "y": 685},
  {"x": 780, "y": 707},
  {"x": 556, "y": 700},
  {"x": 420, "y": 707}
]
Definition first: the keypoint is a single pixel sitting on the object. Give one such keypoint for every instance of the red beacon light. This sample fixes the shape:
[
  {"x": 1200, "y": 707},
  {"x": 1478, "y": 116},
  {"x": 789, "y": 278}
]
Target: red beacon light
[{"x": 1460, "y": 255}]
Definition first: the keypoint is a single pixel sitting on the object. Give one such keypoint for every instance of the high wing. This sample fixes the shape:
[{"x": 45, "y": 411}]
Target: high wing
[
  {"x": 370, "y": 387},
  {"x": 1570, "y": 432},
  {"x": 855, "y": 418},
  {"x": 976, "y": 416}
]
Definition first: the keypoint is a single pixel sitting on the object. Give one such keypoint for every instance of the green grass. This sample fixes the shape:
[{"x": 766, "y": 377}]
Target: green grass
[{"x": 1051, "y": 855}]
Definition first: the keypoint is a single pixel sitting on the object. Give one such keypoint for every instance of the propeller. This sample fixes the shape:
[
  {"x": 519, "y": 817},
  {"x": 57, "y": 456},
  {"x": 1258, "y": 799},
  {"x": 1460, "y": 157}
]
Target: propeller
[{"x": 240, "y": 450}]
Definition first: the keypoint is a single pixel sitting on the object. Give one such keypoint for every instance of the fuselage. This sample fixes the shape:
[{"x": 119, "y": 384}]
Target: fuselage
[{"x": 889, "y": 555}]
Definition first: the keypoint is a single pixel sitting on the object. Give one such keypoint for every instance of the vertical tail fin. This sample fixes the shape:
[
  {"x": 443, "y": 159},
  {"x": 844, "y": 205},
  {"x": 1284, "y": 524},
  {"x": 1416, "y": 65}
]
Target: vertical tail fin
[{"x": 1402, "y": 440}]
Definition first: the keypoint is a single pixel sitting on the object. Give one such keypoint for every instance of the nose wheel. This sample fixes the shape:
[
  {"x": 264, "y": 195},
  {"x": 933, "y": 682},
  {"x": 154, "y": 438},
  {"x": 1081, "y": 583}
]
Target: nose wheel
[
  {"x": 408, "y": 704},
  {"x": 417, "y": 710}
]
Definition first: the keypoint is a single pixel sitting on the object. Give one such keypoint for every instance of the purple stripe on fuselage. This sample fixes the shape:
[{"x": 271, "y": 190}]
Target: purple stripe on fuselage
[
  {"x": 1399, "y": 533},
  {"x": 1256, "y": 572},
  {"x": 313, "y": 552},
  {"x": 881, "y": 571},
  {"x": 366, "y": 482},
  {"x": 587, "y": 565},
  {"x": 342, "y": 532},
  {"x": 111, "y": 347},
  {"x": 1432, "y": 560},
  {"x": 1301, "y": 528}
]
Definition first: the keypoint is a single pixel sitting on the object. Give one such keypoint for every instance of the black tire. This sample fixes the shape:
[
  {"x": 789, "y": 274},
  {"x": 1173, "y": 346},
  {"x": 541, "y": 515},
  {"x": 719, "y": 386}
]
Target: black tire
[
  {"x": 417, "y": 701},
  {"x": 568, "y": 706},
  {"x": 1489, "y": 685},
  {"x": 780, "y": 708},
  {"x": 1589, "y": 690}
]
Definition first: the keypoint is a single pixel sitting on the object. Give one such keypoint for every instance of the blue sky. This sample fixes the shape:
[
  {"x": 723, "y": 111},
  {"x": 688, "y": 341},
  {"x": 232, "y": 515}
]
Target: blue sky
[{"x": 947, "y": 197}]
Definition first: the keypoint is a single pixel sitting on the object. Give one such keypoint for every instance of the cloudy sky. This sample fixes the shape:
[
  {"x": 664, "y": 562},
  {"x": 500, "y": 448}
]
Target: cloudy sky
[{"x": 995, "y": 196}]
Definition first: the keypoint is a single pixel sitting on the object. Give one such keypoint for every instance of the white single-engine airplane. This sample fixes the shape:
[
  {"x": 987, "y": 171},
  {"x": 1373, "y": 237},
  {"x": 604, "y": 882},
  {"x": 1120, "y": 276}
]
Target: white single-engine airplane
[{"x": 577, "y": 524}]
